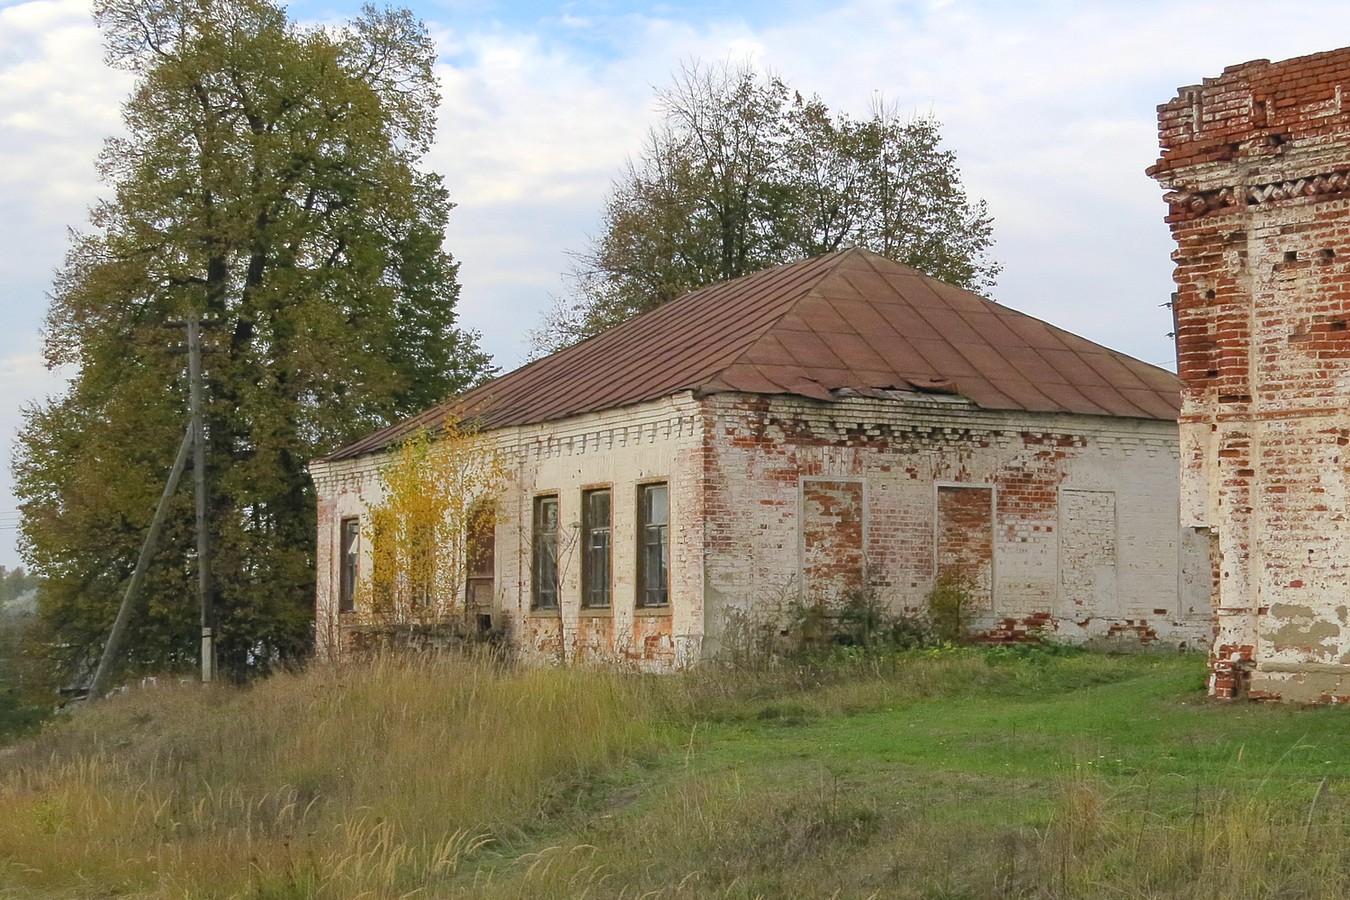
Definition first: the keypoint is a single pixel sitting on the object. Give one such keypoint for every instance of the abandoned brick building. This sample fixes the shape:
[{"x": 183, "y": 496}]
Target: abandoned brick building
[
  {"x": 794, "y": 433},
  {"x": 1257, "y": 161}
]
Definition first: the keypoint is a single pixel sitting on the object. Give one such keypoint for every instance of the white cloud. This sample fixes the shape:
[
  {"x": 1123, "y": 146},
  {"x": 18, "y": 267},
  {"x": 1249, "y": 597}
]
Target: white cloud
[
  {"x": 57, "y": 103},
  {"x": 1049, "y": 105}
]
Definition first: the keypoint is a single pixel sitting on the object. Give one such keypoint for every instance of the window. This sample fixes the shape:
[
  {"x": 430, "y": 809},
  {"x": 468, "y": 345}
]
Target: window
[
  {"x": 350, "y": 559},
  {"x": 653, "y": 552},
  {"x": 595, "y": 556},
  {"x": 421, "y": 565},
  {"x": 544, "y": 567},
  {"x": 480, "y": 547}
]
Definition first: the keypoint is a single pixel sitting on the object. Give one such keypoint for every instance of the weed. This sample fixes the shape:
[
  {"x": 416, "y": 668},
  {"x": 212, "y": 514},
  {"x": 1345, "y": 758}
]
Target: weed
[{"x": 949, "y": 603}]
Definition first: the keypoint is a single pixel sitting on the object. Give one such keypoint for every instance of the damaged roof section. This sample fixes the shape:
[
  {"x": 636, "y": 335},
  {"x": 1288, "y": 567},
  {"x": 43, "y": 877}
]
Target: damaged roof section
[{"x": 849, "y": 322}]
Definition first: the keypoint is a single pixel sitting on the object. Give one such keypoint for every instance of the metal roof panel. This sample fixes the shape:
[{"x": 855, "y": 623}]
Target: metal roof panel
[{"x": 851, "y": 319}]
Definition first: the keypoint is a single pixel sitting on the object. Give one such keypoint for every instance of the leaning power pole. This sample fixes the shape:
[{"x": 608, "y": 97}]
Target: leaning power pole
[
  {"x": 194, "y": 440},
  {"x": 119, "y": 626}
]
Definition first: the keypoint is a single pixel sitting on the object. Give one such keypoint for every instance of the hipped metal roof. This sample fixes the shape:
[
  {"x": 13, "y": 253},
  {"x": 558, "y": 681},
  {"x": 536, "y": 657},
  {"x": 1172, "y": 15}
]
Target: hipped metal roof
[{"x": 852, "y": 320}]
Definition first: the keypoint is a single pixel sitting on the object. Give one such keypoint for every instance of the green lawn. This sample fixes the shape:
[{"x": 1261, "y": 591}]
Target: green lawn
[
  {"x": 934, "y": 774},
  {"x": 1067, "y": 776}
]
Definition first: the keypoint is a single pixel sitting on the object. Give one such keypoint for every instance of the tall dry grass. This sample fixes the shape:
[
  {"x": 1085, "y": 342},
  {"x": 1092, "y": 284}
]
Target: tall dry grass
[
  {"x": 1224, "y": 845},
  {"x": 374, "y": 781},
  {"x": 452, "y": 777}
]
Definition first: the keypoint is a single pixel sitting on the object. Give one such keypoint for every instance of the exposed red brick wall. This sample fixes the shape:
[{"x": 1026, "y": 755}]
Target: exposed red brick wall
[
  {"x": 965, "y": 538},
  {"x": 784, "y": 479},
  {"x": 833, "y": 561},
  {"x": 1295, "y": 101},
  {"x": 1258, "y": 165}
]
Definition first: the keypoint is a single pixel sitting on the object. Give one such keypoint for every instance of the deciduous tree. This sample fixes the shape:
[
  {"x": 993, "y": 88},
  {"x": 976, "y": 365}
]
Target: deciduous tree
[
  {"x": 743, "y": 174},
  {"x": 270, "y": 182},
  {"x": 439, "y": 488}
]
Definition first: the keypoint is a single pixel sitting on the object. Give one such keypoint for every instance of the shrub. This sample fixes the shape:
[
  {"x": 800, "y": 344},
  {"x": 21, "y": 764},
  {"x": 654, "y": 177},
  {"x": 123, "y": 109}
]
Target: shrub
[{"x": 949, "y": 602}]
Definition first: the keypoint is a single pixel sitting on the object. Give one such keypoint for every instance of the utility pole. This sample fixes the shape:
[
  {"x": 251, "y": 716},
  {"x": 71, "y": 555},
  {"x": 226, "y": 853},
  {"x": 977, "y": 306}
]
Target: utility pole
[
  {"x": 147, "y": 549},
  {"x": 194, "y": 440},
  {"x": 199, "y": 487}
]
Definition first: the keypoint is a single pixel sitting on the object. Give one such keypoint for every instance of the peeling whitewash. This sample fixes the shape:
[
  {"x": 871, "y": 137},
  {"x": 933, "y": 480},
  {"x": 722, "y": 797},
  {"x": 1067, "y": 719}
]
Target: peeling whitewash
[
  {"x": 1260, "y": 210},
  {"x": 779, "y": 498}
]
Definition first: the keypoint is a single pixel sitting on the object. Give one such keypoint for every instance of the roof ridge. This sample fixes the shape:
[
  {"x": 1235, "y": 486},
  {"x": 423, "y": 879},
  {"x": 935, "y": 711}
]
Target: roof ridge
[{"x": 852, "y": 318}]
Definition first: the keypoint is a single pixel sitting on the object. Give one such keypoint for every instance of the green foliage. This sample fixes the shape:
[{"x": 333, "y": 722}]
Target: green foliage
[
  {"x": 14, "y": 583},
  {"x": 860, "y": 628},
  {"x": 744, "y": 174},
  {"x": 17, "y": 717},
  {"x": 270, "y": 182},
  {"x": 949, "y": 602},
  {"x": 21, "y": 707},
  {"x": 859, "y": 624}
]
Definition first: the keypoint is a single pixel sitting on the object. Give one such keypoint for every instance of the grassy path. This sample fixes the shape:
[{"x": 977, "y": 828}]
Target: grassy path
[
  {"x": 936, "y": 775},
  {"x": 1073, "y": 777}
]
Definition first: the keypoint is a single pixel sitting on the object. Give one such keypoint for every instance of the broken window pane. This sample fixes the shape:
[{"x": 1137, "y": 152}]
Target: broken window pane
[
  {"x": 350, "y": 559},
  {"x": 595, "y": 560}
]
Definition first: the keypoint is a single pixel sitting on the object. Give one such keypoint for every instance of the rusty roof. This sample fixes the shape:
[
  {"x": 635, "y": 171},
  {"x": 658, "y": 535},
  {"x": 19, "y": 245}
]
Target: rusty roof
[{"x": 849, "y": 321}]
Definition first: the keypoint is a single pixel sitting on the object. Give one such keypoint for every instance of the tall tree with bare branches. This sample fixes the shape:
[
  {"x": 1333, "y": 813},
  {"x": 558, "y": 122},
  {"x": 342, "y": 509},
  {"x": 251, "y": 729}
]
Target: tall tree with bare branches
[{"x": 744, "y": 173}]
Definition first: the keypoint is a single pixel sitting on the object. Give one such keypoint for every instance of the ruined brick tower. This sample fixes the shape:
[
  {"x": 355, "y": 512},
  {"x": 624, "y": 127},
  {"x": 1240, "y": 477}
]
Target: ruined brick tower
[{"x": 1257, "y": 161}]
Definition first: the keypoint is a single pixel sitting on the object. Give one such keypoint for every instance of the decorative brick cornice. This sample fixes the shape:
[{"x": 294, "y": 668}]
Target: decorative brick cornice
[{"x": 1194, "y": 204}]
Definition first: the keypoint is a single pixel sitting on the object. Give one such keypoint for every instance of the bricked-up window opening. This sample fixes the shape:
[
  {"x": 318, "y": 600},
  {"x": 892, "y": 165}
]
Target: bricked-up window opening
[
  {"x": 1087, "y": 553},
  {"x": 351, "y": 556},
  {"x": 832, "y": 539},
  {"x": 544, "y": 569},
  {"x": 965, "y": 539},
  {"x": 596, "y": 554},
  {"x": 653, "y": 547}
]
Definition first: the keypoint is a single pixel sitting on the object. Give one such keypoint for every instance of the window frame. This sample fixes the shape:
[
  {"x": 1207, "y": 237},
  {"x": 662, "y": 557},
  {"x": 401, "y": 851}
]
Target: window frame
[
  {"x": 541, "y": 600},
  {"x": 480, "y": 556},
  {"x": 644, "y": 530},
  {"x": 349, "y": 561},
  {"x": 590, "y": 585}
]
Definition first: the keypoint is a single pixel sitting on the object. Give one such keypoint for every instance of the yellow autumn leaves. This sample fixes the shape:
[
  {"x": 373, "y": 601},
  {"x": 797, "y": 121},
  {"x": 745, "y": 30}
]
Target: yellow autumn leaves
[{"x": 440, "y": 487}]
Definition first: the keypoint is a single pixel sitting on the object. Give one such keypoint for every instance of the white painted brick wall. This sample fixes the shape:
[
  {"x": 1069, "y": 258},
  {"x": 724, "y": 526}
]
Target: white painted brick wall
[{"x": 735, "y": 464}]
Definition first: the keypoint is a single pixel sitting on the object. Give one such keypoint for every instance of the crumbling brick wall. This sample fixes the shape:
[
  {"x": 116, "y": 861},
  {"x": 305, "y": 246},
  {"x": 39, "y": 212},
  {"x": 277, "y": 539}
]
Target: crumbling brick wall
[
  {"x": 655, "y": 442},
  {"x": 834, "y": 560},
  {"x": 1257, "y": 163},
  {"x": 1067, "y": 522}
]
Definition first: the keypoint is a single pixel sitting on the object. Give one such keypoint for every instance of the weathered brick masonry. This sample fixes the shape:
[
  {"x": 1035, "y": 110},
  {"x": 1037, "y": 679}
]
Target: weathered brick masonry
[
  {"x": 617, "y": 450},
  {"x": 1068, "y": 522},
  {"x": 1257, "y": 161},
  {"x": 826, "y": 426}
]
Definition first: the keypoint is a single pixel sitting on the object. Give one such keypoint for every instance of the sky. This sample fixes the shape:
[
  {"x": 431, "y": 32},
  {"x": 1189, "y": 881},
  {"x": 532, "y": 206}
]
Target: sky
[{"x": 1049, "y": 106}]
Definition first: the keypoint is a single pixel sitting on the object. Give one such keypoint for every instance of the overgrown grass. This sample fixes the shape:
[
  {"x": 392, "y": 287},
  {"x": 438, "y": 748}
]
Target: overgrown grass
[
  {"x": 362, "y": 781},
  {"x": 953, "y": 773}
]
